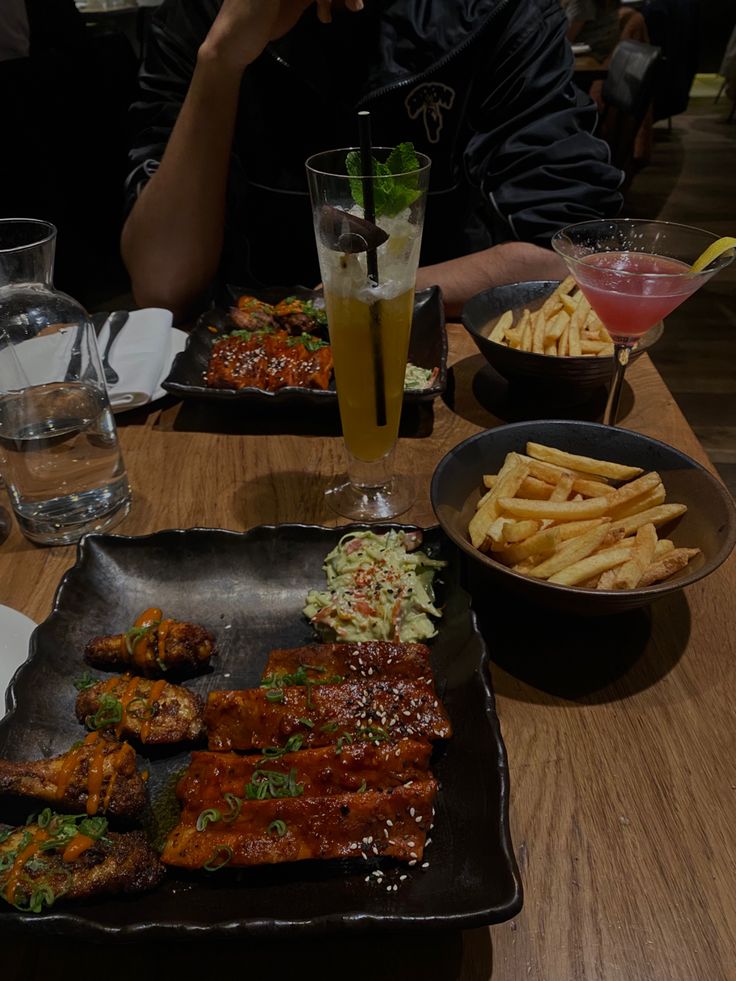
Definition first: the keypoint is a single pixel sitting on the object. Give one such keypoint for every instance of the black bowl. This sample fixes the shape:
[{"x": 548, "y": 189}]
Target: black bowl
[
  {"x": 708, "y": 524},
  {"x": 560, "y": 380}
]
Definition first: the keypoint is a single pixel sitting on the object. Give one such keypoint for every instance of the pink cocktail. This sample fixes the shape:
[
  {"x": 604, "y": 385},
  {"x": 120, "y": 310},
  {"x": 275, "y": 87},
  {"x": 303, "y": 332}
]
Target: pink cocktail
[{"x": 633, "y": 274}]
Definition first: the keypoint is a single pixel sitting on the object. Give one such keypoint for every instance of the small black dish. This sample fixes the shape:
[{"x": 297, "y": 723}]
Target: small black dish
[
  {"x": 427, "y": 349},
  {"x": 559, "y": 380},
  {"x": 708, "y": 524}
]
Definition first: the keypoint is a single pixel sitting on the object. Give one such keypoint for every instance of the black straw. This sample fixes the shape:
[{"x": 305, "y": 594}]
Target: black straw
[{"x": 369, "y": 212}]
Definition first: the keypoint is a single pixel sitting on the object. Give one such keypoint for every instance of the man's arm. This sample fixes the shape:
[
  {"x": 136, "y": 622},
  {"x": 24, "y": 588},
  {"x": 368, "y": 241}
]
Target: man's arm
[
  {"x": 172, "y": 239},
  {"x": 510, "y": 262}
]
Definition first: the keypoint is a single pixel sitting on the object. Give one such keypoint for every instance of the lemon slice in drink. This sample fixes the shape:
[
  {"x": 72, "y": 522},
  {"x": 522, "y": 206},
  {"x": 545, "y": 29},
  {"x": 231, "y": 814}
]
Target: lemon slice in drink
[{"x": 713, "y": 252}]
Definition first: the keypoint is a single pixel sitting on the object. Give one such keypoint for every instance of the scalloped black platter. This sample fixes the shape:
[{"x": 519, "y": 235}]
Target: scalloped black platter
[
  {"x": 249, "y": 589},
  {"x": 427, "y": 349}
]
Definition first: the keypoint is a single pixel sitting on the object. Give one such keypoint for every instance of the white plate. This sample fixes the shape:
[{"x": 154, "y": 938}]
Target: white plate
[{"x": 15, "y": 633}]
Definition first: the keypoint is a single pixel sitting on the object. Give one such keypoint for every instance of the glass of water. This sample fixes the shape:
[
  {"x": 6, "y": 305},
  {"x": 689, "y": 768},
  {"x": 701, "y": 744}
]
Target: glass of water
[{"x": 59, "y": 452}]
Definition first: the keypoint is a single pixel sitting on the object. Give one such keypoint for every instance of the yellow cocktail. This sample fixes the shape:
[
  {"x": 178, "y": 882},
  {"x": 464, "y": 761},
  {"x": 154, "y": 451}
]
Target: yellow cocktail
[
  {"x": 351, "y": 322},
  {"x": 368, "y": 230}
]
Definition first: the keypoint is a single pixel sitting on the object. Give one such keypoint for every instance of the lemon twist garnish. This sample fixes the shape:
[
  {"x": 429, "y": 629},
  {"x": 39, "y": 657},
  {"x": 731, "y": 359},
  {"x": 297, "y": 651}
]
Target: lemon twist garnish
[{"x": 713, "y": 252}]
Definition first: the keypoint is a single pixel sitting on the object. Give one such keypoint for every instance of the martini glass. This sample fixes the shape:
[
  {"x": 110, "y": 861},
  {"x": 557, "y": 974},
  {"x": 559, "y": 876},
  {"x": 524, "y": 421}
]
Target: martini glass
[{"x": 633, "y": 273}]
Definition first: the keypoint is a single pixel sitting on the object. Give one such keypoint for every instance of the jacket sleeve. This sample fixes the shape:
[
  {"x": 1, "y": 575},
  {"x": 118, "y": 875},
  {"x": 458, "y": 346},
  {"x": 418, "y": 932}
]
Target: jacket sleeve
[
  {"x": 176, "y": 31},
  {"x": 533, "y": 156}
]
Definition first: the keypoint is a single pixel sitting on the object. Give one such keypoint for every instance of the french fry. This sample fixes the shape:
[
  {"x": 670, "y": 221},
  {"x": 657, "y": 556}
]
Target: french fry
[
  {"x": 526, "y": 336},
  {"x": 642, "y": 556},
  {"x": 552, "y": 473},
  {"x": 593, "y": 346},
  {"x": 517, "y": 531},
  {"x": 651, "y": 499},
  {"x": 657, "y": 515},
  {"x": 583, "y": 464},
  {"x": 555, "y": 327},
  {"x": 675, "y": 560},
  {"x": 576, "y": 323},
  {"x": 570, "y": 302},
  {"x": 563, "y": 489},
  {"x": 538, "y": 332},
  {"x": 563, "y": 345},
  {"x": 634, "y": 490},
  {"x": 591, "y": 566},
  {"x": 593, "y": 507},
  {"x": 571, "y": 529},
  {"x": 542, "y": 543},
  {"x": 553, "y": 302},
  {"x": 504, "y": 321},
  {"x": 489, "y": 479},
  {"x": 570, "y": 553},
  {"x": 510, "y": 476}
]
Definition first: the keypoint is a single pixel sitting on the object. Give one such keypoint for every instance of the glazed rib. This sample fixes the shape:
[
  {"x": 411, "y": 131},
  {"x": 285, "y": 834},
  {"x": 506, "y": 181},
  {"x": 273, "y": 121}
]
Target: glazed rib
[
  {"x": 362, "y": 766},
  {"x": 98, "y": 776},
  {"x": 374, "y": 711},
  {"x": 393, "y": 823},
  {"x": 169, "y": 646},
  {"x": 79, "y": 868},
  {"x": 151, "y": 712},
  {"x": 374, "y": 659}
]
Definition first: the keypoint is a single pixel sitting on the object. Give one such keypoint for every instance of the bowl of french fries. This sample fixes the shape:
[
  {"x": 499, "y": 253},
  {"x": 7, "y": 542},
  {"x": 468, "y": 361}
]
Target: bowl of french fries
[
  {"x": 583, "y": 517},
  {"x": 546, "y": 334}
]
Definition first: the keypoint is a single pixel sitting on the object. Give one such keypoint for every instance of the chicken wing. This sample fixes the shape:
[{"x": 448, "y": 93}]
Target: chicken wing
[
  {"x": 375, "y": 711},
  {"x": 153, "y": 646},
  {"x": 98, "y": 775},
  {"x": 393, "y": 823},
  {"x": 61, "y": 856},
  {"x": 151, "y": 712}
]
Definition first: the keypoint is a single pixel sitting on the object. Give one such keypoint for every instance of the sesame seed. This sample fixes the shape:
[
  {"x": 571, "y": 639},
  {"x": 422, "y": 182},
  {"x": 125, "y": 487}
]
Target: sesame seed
[
  {"x": 425, "y": 865},
  {"x": 418, "y": 818},
  {"x": 413, "y": 862},
  {"x": 389, "y": 822},
  {"x": 412, "y": 812},
  {"x": 413, "y": 854}
]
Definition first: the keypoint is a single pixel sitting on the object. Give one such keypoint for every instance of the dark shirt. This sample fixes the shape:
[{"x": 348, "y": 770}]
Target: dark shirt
[{"x": 483, "y": 87}]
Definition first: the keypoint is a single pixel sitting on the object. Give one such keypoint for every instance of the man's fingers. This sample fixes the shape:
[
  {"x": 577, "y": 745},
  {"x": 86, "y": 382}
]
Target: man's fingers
[{"x": 324, "y": 11}]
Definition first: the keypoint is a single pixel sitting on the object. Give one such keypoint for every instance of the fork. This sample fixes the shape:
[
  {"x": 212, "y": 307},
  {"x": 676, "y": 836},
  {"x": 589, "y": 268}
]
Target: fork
[{"x": 116, "y": 321}]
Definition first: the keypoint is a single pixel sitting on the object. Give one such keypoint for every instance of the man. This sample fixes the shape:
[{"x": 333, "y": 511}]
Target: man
[{"x": 236, "y": 95}]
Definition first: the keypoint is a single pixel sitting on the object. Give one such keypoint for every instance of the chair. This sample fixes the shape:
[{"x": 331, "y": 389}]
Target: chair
[{"x": 626, "y": 96}]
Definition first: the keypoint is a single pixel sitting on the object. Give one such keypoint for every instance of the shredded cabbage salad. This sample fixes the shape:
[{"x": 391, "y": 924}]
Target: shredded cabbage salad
[{"x": 379, "y": 587}]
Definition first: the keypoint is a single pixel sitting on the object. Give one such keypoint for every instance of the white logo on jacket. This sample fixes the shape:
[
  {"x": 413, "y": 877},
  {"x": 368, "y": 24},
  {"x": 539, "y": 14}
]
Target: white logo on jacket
[{"x": 429, "y": 99}]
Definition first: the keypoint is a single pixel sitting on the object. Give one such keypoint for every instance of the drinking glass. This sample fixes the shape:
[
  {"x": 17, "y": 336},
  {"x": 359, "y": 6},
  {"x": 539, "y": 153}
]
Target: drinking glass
[
  {"x": 369, "y": 274},
  {"x": 59, "y": 452},
  {"x": 634, "y": 272}
]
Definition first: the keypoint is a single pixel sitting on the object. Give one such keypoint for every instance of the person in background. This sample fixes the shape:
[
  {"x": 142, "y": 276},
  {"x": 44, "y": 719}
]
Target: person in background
[
  {"x": 593, "y": 22},
  {"x": 14, "y": 32},
  {"x": 237, "y": 94}
]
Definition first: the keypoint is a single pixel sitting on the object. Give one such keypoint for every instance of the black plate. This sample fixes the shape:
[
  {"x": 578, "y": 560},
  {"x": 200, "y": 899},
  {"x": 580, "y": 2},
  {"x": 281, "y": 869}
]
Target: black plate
[
  {"x": 250, "y": 589},
  {"x": 427, "y": 349}
]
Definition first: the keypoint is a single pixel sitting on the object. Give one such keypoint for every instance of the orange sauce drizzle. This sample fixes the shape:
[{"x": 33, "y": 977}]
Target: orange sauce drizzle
[
  {"x": 79, "y": 844},
  {"x": 11, "y": 882},
  {"x": 148, "y": 617},
  {"x": 143, "y": 650},
  {"x": 156, "y": 691},
  {"x": 125, "y": 699},
  {"x": 163, "y": 631}
]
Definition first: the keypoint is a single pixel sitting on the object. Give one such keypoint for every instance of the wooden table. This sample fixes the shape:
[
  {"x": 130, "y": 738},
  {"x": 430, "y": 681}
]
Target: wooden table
[{"x": 620, "y": 732}]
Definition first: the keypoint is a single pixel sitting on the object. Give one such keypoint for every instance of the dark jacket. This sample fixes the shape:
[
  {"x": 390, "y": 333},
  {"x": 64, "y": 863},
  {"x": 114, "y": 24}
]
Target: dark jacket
[{"x": 484, "y": 87}]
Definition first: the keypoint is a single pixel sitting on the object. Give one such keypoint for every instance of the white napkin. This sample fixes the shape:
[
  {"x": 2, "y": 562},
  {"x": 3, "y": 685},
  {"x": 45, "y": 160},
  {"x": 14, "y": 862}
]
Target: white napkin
[{"x": 141, "y": 354}]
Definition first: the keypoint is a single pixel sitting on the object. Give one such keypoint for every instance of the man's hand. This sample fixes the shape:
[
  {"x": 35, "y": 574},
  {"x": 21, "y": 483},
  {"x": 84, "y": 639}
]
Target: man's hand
[{"x": 243, "y": 28}]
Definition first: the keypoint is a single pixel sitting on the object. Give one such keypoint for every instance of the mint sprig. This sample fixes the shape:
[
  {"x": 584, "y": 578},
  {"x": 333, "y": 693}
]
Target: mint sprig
[{"x": 395, "y": 188}]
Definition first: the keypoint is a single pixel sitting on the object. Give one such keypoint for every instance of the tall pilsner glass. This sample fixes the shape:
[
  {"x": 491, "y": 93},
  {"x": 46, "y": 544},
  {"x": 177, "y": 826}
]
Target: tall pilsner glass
[{"x": 369, "y": 275}]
